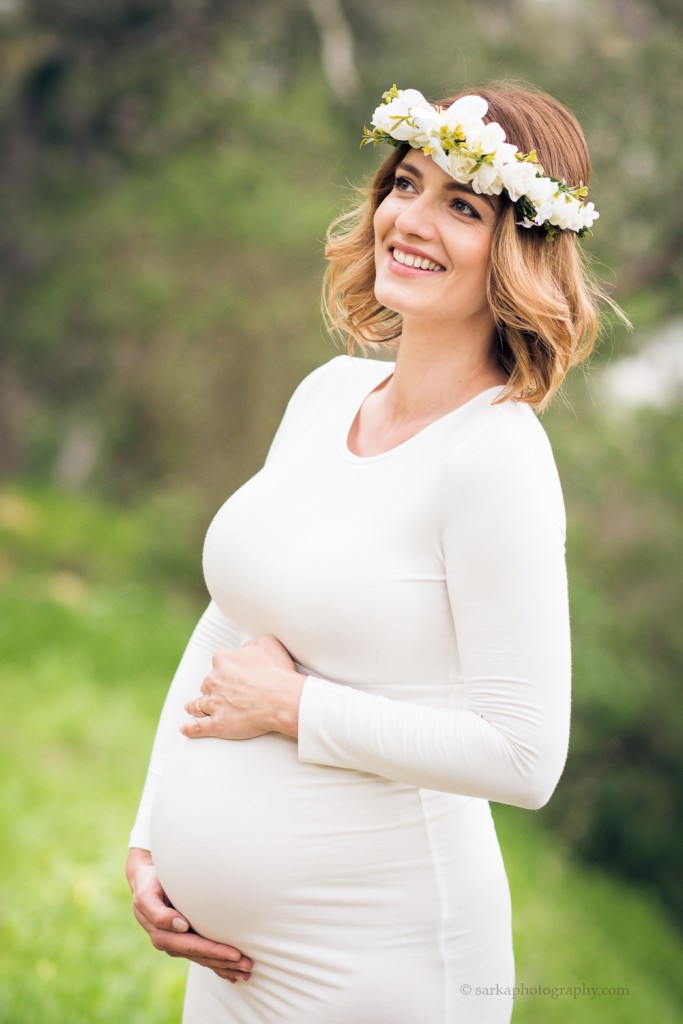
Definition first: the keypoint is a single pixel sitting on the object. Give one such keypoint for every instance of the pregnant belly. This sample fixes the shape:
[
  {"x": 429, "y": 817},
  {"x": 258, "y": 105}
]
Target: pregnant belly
[{"x": 255, "y": 848}]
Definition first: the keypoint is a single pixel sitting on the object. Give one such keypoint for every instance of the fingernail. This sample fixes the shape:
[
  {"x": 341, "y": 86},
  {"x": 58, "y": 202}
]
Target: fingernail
[{"x": 178, "y": 924}]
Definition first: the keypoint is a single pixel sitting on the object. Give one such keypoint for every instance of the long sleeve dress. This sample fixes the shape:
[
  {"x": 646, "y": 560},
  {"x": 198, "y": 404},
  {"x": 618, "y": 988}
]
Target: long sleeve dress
[{"x": 423, "y": 594}]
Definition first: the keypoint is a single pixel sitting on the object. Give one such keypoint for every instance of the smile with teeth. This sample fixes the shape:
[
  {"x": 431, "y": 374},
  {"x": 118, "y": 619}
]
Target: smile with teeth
[{"x": 418, "y": 262}]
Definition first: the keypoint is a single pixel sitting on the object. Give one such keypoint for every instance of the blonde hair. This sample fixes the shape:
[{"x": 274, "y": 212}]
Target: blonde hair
[{"x": 541, "y": 294}]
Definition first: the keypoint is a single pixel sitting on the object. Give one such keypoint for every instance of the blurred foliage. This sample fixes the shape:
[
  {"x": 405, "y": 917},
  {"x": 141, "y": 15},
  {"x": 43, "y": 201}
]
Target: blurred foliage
[
  {"x": 168, "y": 170},
  {"x": 167, "y": 173},
  {"x": 621, "y": 798}
]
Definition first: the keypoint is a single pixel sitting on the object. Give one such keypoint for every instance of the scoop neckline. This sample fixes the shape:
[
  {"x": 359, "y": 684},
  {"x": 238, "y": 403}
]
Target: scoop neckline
[{"x": 350, "y": 456}]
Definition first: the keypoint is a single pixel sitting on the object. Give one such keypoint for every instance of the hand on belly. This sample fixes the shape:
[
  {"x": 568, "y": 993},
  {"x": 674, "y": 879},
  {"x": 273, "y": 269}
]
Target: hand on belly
[
  {"x": 252, "y": 690},
  {"x": 169, "y": 932}
]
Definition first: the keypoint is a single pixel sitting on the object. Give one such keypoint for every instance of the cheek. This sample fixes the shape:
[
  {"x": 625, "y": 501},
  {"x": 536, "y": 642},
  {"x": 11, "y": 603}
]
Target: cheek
[
  {"x": 381, "y": 225},
  {"x": 486, "y": 260},
  {"x": 475, "y": 251}
]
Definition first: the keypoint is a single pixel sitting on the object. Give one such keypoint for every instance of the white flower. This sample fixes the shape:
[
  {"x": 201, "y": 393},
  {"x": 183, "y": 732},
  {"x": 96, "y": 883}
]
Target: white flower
[
  {"x": 589, "y": 215},
  {"x": 542, "y": 193},
  {"x": 458, "y": 166},
  {"x": 564, "y": 212},
  {"x": 506, "y": 153},
  {"x": 466, "y": 113},
  {"x": 427, "y": 126},
  {"x": 392, "y": 117},
  {"x": 443, "y": 159},
  {"x": 487, "y": 139},
  {"x": 486, "y": 180},
  {"x": 569, "y": 214},
  {"x": 541, "y": 190},
  {"x": 518, "y": 176}
]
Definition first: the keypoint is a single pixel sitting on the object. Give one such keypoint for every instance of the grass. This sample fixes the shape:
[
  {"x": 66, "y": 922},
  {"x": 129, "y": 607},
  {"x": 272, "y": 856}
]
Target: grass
[
  {"x": 85, "y": 672},
  {"x": 89, "y": 641},
  {"x": 577, "y": 928}
]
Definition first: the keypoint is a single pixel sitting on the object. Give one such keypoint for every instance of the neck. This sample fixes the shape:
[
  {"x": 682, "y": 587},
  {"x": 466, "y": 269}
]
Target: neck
[{"x": 439, "y": 368}]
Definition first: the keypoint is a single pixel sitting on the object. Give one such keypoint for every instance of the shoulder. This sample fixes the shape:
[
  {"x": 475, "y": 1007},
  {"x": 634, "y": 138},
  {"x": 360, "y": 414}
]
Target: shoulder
[
  {"x": 505, "y": 434},
  {"x": 343, "y": 367},
  {"x": 507, "y": 468},
  {"x": 514, "y": 432},
  {"x": 337, "y": 377}
]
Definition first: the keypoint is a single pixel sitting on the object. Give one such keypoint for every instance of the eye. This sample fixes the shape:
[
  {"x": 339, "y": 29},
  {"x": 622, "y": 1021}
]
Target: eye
[
  {"x": 464, "y": 208},
  {"x": 403, "y": 184}
]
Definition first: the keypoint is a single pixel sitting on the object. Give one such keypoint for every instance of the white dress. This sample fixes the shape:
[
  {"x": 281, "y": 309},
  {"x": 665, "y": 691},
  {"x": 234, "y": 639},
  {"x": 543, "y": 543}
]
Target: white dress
[{"x": 423, "y": 593}]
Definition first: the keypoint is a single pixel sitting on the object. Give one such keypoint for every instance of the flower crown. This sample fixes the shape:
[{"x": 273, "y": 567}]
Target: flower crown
[{"x": 476, "y": 153}]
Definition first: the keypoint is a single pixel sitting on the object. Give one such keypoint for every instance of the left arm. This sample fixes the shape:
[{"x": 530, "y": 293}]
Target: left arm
[{"x": 503, "y": 544}]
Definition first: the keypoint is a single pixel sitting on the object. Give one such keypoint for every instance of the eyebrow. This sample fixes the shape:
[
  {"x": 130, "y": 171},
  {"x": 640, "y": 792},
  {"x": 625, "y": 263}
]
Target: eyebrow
[{"x": 451, "y": 186}]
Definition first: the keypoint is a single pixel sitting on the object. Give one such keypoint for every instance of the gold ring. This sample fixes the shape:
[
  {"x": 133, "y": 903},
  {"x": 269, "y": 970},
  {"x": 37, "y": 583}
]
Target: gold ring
[{"x": 198, "y": 707}]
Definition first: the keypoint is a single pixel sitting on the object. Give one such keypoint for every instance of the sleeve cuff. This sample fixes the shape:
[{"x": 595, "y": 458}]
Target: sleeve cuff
[
  {"x": 140, "y": 838},
  {"x": 321, "y": 702}
]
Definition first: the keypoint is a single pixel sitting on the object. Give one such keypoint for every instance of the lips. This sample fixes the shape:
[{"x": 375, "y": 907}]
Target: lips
[{"x": 416, "y": 260}]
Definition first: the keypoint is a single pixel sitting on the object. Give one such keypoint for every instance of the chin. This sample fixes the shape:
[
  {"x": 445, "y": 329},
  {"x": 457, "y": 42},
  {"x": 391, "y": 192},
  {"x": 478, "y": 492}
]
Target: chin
[{"x": 392, "y": 296}]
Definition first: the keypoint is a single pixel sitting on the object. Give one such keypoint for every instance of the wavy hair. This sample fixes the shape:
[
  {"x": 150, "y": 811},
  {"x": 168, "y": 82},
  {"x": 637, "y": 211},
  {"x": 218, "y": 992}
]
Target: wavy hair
[{"x": 543, "y": 298}]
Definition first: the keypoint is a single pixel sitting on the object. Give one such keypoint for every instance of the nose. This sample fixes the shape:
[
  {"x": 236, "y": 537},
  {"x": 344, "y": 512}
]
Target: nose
[{"x": 416, "y": 217}]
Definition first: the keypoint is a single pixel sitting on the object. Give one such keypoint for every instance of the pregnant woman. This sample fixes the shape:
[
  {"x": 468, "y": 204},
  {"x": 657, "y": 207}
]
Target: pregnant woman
[{"x": 387, "y": 644}]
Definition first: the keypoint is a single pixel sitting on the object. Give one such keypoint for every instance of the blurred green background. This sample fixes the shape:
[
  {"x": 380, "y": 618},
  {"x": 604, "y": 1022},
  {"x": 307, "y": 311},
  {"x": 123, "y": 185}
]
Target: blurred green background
[{"x": 168, "y": 170}]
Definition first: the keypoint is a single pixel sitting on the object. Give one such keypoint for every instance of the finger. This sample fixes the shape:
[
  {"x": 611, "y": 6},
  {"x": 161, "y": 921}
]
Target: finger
[
  {"x": 198, "y": 727},
  {"x": 204, "y": 951},
  {"x": 232, "y": 976},
  {"x": 212, "y": 684},
  {"x": 198, "y": 708},
  {"x": 239, "y": 969},
  {"x": 148, "y": 903},
  {"x": 268, "y": 641},
  {"x": 223, "y": 657},
  {"x": 172, "y": 921}
]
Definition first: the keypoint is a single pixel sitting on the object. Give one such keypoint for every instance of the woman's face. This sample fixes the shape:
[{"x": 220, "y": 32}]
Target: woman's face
[{"x": 432, "y": 244}]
